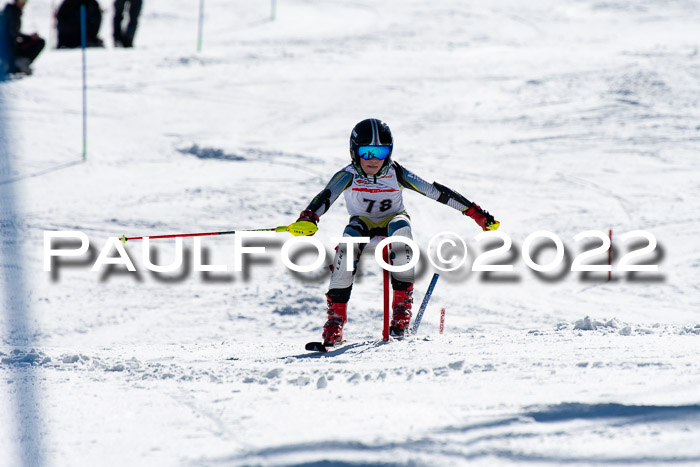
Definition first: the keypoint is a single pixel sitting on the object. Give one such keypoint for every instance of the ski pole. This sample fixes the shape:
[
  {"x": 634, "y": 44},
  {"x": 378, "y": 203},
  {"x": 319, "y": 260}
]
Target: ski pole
[
  {"x": 297, "y": 229},
  {"x": 423, "y": 305}
]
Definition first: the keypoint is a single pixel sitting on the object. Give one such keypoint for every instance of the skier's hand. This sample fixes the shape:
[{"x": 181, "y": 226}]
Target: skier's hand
[
  {"x": 306, "y": 218},
  {"x": 481, "y": 217}
]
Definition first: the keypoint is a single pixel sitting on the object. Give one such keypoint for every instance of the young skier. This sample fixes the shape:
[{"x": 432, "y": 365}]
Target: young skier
[{"x": 372, "y": 185}]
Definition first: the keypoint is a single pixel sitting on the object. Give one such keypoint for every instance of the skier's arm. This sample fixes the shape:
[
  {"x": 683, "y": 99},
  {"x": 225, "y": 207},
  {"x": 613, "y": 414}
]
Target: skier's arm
[
  {"x": 322, "y": 201},
  {"x": 445, "y": 195}
]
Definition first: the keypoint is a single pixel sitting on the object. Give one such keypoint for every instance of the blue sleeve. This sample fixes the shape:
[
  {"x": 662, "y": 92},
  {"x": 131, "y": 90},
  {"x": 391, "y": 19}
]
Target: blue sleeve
[{"x": 322, "y": 202}]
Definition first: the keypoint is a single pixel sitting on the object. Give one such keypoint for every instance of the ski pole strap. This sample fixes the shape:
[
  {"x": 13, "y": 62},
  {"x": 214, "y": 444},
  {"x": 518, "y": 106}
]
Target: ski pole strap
[{"x": 423, "y": 305}]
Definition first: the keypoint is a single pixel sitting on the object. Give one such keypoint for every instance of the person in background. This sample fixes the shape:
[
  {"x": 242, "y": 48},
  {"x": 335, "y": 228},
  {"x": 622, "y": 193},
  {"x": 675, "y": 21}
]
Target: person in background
[
  {"x": 125, "y": 37},
  {"x": 19, "y": 50},
  {"x": 68, "y": 18}
]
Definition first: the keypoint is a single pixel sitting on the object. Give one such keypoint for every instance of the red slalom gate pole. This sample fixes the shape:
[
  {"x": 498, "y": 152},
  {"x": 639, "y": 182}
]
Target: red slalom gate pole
[
  {"x": 385, "y": 333},
  {"x": 610, "y": 255},
  {"x": 442, "y": 320}
]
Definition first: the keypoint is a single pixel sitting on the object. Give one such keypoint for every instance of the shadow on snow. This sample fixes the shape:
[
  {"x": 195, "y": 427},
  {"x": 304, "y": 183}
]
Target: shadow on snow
[{"x": 433, "y": 444}]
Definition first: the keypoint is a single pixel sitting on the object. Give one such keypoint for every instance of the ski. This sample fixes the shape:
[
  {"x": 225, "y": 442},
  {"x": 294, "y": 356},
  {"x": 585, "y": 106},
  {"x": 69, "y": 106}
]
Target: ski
[
  {"x": 321, "y": 346},
  {"x": 398, "y": 333},
  {"x": 342, "y": 346},
  {"x": 316, "y": 347}
]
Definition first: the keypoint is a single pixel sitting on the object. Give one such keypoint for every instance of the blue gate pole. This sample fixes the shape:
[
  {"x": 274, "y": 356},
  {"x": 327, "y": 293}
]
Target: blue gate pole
[
  {"x": 29, "y": 431},
  {"x": 200, "y": 32},
  {"x": 426, "y": 299}
]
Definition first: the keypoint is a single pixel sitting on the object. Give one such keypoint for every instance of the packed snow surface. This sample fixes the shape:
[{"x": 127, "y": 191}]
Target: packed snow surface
[{"x": 558, "y": 116}]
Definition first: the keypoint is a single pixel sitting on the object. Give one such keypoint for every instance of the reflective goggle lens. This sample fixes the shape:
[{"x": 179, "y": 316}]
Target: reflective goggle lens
[{"x": 376, "y": 152}]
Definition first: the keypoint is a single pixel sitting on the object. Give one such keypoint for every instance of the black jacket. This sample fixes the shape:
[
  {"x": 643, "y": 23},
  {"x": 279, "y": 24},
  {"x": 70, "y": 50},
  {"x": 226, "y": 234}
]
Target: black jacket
[
  {"x": 68, "y": 18},
  {"x": 12, "y": 18}
]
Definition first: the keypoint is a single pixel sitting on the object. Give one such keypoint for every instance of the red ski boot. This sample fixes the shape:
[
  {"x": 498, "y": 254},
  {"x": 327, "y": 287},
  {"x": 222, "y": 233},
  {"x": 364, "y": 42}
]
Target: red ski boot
[
  {"x": 337, "y": 317},
  {"x": 402, "y": 303}
]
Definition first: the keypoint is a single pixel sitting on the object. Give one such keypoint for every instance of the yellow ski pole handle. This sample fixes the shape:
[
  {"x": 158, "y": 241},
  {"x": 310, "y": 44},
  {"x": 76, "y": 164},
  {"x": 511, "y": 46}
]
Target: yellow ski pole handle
[
  {"x": 297, "y": 229},
  {"x": 300, "y": 228}
]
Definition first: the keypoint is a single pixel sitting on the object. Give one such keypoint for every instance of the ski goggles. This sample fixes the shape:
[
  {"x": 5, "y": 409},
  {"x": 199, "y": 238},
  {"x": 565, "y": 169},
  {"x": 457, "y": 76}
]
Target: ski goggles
[{"x": 374, "y": 152}]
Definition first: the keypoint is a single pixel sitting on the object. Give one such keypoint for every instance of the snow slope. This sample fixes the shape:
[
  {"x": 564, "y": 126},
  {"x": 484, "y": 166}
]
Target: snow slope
[{"x": 558, "y": 116}]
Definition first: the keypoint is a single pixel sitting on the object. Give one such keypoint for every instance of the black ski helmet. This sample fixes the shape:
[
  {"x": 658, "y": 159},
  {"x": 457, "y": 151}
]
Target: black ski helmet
[{"x": 370, "y": 132}]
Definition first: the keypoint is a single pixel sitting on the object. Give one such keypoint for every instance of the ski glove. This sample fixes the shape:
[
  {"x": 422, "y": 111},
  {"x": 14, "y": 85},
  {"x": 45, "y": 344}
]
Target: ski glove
[
  {"x": 310, "y": 217},
  {"x": 481, "y": 217}
]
